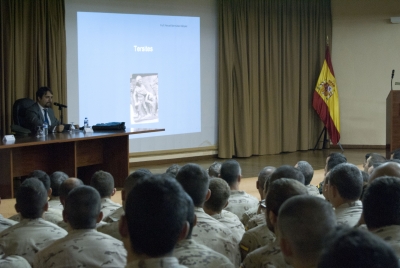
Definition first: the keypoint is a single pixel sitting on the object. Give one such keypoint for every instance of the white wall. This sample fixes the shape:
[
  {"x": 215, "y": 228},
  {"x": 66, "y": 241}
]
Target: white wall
[
  {"x": 207, "y": 11},
  {"x": 365, "y": 50}
]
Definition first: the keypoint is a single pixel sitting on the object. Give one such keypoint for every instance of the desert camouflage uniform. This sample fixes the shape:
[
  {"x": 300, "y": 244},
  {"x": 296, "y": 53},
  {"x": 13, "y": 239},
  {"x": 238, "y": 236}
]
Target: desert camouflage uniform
[
  {"x": 192, "y": 254},
  {"x": 255, "y": 238},
  {"x": 29, "y": 236},
  {"x": 267, "y": 256},
  {"x": 213, "y": 234},
  {"x": 108, "y": 206},
  {"x": 239, "y": 202},
  {"x": 312, "y": 190},
  {"x": 5, "y": 223},
  {"x": 166, "y": 262},
  {"x": 14, "y": 261},
  {"x": 390, "y": 234},
  {"x": 115, "y": 215},
  {"x": 55, "y": 203},
  {"x": 257, "y": 220},
  {"x": 248, "y": 214},
  {"x": 349, "y": 213},
  {"x": 232, "y": 221},
  {"x": 110, "y": 228},
  {"x": 83, "y": 248}
]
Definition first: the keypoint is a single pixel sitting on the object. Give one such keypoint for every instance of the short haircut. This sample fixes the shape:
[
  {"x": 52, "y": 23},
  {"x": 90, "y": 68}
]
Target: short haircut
[
  {"x": 67, "y": 185},
  {"x": 156, "y": 210},
  {"x": 396, "y": 154},
  {"x": 43, "y": 177},
  {"x": 134, "y": 177},
  {"x": 230, "y": 171},
  {"x": 381, "y": 202},
  {"x": 287, "y": 172},
  {"x": 220, "y": 193},
  {"x": 367, "y": 156},
  {"x": 281, "y": 190},
  {"x": 103, "y": 182},
  {"x": 173, "y": 170},
  {"x": 31, "y": 197},
  {"x": 395, "y": 160},
  {"x": 82, "y": 207},
  {"x": 264, "y": 174},
  {"x": 334, "y": 160},
  {"x": 347, "y": 179},
  {"x": 307, "y": 171},
  {"x": 41, "y": 91},
  {"x": 387, "y": 169},
  {"x": 55, "y": 181},
  {"x": 356, "y": 248},
  {"x": 215, "y": 169},
  {"x": 194, "y": 180},
  {"x": 376, "y": 158},
  {"x": 306, "y": 221}
]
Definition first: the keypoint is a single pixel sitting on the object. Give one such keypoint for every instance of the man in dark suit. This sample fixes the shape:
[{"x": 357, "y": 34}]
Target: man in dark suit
[{"x": 35, "y": 115}]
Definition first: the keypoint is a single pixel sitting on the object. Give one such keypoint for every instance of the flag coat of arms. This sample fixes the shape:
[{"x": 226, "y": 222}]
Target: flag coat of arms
[{"x": 326, "y": 99}]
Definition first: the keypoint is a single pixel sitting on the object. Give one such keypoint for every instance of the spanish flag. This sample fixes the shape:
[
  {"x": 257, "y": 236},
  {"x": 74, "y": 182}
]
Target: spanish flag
[{"x": 326, "y": 99}]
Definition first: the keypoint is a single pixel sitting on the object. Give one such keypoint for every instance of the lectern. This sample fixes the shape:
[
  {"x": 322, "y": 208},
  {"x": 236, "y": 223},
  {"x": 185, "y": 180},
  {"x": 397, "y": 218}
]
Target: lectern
[{"x": 392, "y": 121}]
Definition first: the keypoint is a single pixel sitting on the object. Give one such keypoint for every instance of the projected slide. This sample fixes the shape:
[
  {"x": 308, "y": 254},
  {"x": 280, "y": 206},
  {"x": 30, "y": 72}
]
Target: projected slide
[{"x": 143, "y": 70}]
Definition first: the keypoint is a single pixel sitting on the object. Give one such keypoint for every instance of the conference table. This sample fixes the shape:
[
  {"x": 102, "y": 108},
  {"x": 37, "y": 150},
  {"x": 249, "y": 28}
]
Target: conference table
[{"x": 76, "y": 153}]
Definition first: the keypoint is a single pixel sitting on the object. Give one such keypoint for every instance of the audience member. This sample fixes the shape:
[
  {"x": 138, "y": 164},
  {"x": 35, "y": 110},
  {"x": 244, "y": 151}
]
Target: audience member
[
  {"x": 287, "y": 172},
  {"x": 239, "y": 201},
  {"x": 345, "y": 184},
  {"x": 333, "y": 160},
  {"x": 308, "y": 173},
  {"x": 373, "y": 158},
  {"x": 155, "y": 220},
  {"x": 173, "y": 170},
  {"x": 193, "y": 254},
  {"x": 208, "y": 231},
  {"x": 67, "y": 186},
  {"x": 278, "y": 192},
  {"x": 387, "y": 169},
  {"x": 218, "y": 200},
  {"x": 215, "y": 169},
  {"x": 356, "y": 248},
  {"x": 103, "y": 182},
  {"x": 303, "y": 224},
  {"x": 32, "y": 233},
  {"x": 55, "y": 181},
  {"x": 112, "y": 226},
  {"x": 83, "y": 246},
  {"x": 51, "y": 214},
  {"x": 381, "y": 207},
  {"x": 256, "y": 215}
]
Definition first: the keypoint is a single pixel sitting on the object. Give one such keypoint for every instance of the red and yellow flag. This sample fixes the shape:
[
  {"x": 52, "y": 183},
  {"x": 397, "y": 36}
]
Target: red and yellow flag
[{"x": 326, "y": 99}]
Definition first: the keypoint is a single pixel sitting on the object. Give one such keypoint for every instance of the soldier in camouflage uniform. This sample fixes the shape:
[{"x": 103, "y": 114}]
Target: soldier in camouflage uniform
[
  {"x": 278, "y": 192},
  {"x": 308, "y": 173},
  {"x": 344, "y": 187},
  {"x": 382, "y": 210},
  {"x": 239, "y": 201},
  {"x": 208, "y": 231}
]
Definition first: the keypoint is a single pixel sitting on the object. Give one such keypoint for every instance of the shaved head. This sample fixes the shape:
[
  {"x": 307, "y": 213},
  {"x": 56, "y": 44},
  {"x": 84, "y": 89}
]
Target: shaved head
[{"x": 386, "y": 169}]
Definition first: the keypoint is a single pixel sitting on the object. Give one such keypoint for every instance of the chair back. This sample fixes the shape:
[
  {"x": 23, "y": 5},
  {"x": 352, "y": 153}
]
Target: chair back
[{"x": 19, "y": 109}]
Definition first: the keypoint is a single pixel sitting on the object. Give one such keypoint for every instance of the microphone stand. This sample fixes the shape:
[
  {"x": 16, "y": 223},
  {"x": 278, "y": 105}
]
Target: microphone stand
[{"x": 61, "y": 114}]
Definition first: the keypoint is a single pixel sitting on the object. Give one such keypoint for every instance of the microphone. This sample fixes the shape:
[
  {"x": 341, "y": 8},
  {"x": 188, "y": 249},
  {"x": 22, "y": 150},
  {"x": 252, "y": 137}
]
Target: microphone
[
  {"x": 392, "y": 73},
  {"x": 60, "y": 105}
]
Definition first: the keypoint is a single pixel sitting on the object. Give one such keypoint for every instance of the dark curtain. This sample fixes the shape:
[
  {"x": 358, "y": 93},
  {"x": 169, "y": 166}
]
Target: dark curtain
[
  {"x": 33, "y": 52},
  {"x": 270, "y": 56}
]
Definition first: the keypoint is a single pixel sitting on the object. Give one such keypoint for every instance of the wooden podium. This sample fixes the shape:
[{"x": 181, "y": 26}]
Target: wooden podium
[
  {"x": 392, "y": 121},
  {"x": 77, "y": 154}
]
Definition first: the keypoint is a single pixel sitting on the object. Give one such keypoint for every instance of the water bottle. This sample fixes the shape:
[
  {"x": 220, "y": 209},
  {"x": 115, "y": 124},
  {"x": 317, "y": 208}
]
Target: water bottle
[
  {"x": 86, "y": 122},
  {"x": 45, "y": 128}
]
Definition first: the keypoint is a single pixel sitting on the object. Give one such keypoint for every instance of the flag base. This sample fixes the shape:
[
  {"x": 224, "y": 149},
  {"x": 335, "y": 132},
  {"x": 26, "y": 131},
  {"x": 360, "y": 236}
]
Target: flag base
[{"x": 326, "y": 140}]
